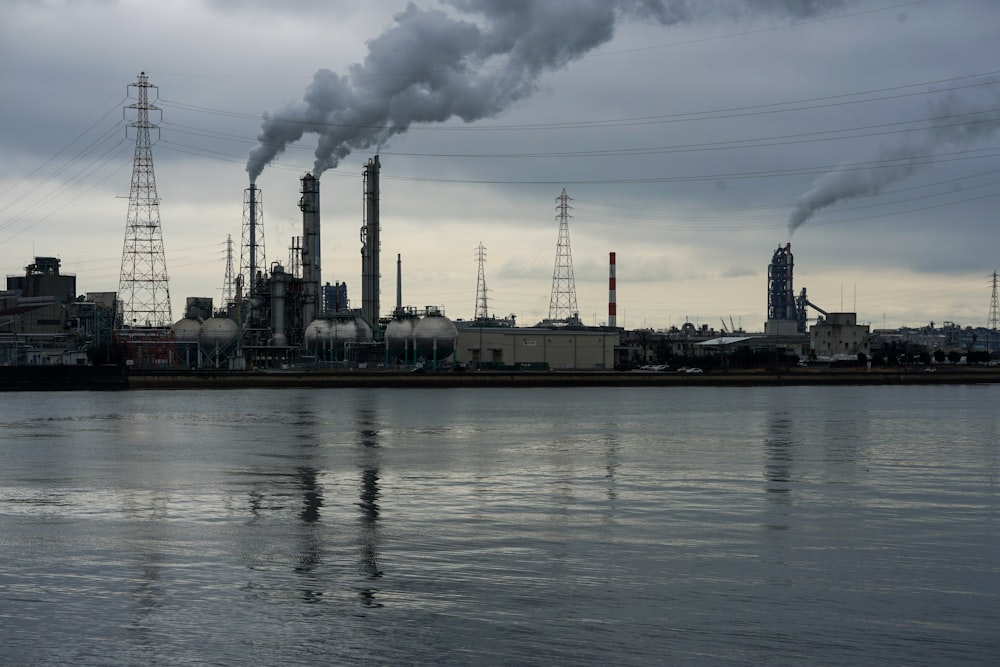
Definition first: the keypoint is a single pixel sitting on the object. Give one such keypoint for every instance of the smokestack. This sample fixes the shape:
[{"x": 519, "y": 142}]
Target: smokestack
[
  {"x": 253, "y": 236},
  {"x": 399, "y": 282},
  {"x": 309, "y": 204},
  {"x": 612, "y": 298},
  {"x": 370, "y": 246}
]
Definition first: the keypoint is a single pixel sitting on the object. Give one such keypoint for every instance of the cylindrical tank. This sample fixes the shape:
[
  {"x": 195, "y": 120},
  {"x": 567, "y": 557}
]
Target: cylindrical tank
[
  {"x": 217, "y": 333},
  {"x": 435, "y": 336}
]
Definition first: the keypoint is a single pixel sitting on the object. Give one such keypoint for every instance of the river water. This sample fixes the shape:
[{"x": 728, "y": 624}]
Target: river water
[{"x": 627, "y": 526}]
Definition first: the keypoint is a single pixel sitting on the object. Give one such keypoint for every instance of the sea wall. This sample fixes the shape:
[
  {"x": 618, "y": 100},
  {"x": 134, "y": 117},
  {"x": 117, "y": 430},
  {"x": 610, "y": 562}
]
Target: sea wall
[{"x": 371, "y": 378}]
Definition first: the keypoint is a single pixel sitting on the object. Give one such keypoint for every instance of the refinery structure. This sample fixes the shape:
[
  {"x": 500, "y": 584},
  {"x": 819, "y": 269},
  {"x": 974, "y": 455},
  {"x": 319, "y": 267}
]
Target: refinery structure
[{"x": 282, "y": 315}]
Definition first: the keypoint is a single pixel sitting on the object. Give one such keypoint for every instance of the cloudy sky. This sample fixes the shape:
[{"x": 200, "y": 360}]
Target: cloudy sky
[{"x": 693, "y": 137}]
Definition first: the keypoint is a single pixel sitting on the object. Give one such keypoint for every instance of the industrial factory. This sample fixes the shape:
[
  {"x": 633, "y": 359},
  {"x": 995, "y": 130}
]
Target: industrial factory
[{"x": 276, "y": 316}]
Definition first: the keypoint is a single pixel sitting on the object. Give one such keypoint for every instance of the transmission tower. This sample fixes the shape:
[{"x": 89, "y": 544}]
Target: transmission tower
[
  {"x": 143, "y": 286},
  {"x": 482, "y": 311},
  {"x": 562, "y": 304},
  {"x": 228, "y": 288},
  {"x": 252, "y": 257},
  {"x": 994, "y": 316}
]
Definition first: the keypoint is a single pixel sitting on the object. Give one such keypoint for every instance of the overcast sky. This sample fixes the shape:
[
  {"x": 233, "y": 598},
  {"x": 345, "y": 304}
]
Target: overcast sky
[{"x": 691, "y": 136}]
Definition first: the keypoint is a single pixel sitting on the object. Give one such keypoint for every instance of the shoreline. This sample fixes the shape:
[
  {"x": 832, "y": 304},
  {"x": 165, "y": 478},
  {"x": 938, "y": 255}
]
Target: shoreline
[
  {"x": 115, "y": 378},
  {"x": 472, "y": 379}
]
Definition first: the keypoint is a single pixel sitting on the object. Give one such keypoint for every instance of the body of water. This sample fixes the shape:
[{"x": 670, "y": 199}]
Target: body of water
[{"x": 716, "y": 526}]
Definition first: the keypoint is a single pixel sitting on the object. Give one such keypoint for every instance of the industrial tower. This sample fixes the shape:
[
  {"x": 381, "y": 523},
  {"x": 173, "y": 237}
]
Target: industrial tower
[
  {"x": 482, "y": 311},
  {"x": 252, "y": 256},
  {"x": 782, "y": 313},
  {"x": 370, "y": 245},
  {"x": 562, "y": 304},
  {"x": 143, "y": 285},
  {"x": 992, "y": 322},
  {"x": 228, "y": 289},
  {"x": 311, "y": 264}
]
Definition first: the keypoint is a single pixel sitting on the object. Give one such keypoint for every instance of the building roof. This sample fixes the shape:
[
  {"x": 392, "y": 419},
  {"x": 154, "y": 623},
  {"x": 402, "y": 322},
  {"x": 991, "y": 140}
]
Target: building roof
[{"x": 725, "y": 340}]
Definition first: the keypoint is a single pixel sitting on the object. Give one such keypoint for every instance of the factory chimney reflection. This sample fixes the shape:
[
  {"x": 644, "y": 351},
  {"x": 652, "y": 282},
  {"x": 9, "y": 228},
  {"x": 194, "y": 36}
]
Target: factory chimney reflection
[
  {"x": 779, "y": 455},
  {"x": 368, "y": 521},
  {"x": 312, "y": 501}
]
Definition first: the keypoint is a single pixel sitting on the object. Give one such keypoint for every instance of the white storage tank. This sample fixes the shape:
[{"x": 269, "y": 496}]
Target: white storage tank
[
  {"x": 187, "y": 330},
  {"x": 218, "y": 333},
  {"x": 317, "y": 336},
  {"x": 435, "y": 335},
  {"x": 399, "y": 337}
]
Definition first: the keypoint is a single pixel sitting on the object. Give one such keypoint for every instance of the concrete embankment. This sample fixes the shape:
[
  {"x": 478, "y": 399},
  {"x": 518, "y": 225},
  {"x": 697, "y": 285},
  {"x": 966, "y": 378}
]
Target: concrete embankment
[{"x": 392, "y": 379}]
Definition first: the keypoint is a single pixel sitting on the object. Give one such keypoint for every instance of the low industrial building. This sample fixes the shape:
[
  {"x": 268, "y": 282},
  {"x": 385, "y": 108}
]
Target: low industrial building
[
  {"x": 535, "y": 348},
  {"x": 839, "y": 336}
]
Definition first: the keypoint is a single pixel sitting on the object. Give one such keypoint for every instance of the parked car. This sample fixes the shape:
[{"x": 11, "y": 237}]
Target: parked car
[{"x": 693, "y": 370}]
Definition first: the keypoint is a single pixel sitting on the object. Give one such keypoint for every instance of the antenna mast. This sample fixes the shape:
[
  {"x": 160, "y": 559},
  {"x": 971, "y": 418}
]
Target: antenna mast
[
  {"x": 143, "y": 286},
  {"x": 562, "y": 304}
]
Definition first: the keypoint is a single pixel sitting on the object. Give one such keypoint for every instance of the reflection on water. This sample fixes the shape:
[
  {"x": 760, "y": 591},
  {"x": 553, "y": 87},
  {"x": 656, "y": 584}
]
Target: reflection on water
[
  {"x": 366, "y": 421},
  {"x": 796, "y": 526},
  {"x": 779, "y": 449}
]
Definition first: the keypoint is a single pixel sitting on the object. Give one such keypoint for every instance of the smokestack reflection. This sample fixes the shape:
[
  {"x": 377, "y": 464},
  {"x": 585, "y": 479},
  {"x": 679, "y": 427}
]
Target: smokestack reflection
[{"x": 369, "y": 539}]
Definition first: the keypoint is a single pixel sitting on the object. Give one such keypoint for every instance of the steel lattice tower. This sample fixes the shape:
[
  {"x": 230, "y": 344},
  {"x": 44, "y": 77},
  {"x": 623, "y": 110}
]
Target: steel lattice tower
[
  {"x": 562, "y": 304},
  {"x": 228, "y": 289},
  {"x": 252, "y": 257},
  {"x": 482, "y": 311},
  {"x": 992, "y": 322},
  {"x": 143, "y": 286}
]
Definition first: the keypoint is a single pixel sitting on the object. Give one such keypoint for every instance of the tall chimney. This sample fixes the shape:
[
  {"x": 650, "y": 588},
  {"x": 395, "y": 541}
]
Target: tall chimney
[
  {"x": 253, "y": 237},
  {"x": 309, "y": 204},
  {"x": 399, "y": 282},
  {"x": 612, "y": 298},
  {"x": 370, "y": 246}
]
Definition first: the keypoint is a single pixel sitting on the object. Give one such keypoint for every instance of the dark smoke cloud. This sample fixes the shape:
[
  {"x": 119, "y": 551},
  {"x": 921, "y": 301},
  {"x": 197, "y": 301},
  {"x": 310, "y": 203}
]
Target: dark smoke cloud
[
  {"x": 429, "y": 67},
  {"x": 960, "y": 122}
]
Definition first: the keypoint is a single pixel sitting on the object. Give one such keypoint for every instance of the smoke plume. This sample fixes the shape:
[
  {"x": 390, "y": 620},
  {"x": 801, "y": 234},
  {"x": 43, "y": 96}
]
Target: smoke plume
[
  {"x": 959, "y": 122},
  {"x": 429, "y": 67}
]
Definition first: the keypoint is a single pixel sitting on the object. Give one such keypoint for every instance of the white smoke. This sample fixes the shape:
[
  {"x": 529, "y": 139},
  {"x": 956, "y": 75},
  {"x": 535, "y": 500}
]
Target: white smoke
[
  {"x": 429, "y": 67},
  {"x": 959, "y": 122}
]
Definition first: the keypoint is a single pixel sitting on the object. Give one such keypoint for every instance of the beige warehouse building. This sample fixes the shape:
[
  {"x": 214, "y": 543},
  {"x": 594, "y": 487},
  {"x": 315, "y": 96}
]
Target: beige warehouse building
[{"x": 536, "y": 347}]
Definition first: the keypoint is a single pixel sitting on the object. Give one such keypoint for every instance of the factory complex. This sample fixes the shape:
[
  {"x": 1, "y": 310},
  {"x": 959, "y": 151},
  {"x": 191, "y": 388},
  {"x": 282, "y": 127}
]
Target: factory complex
[{"x": 275, "y": 317}]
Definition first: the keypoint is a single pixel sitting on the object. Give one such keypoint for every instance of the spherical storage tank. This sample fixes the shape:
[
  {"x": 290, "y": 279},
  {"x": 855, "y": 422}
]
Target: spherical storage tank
[
  {"x": 399, "y": 336},
  {"x": 325, "y": 336},
  {"x": 350, "y": 330},
  {"x": 186, "y": 336},
  {"x": 317, "y": 336},
  {"x": 218, "y": 333},
  {"x": 187, "y": 330},
  {"x": 435, "y": 335}
]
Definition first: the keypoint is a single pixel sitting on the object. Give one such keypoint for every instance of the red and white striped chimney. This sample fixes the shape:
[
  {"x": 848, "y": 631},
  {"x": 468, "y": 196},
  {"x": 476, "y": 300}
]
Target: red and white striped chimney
[{"x": 612, "y": 299}]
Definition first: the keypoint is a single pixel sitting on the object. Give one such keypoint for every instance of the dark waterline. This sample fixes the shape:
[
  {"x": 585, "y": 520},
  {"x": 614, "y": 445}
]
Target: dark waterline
[{"x": 809, "y": 525}]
